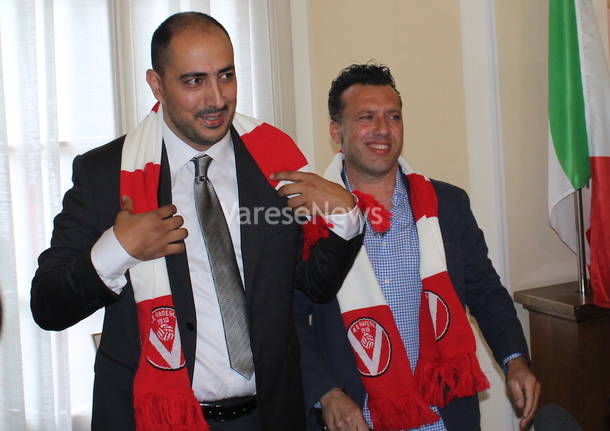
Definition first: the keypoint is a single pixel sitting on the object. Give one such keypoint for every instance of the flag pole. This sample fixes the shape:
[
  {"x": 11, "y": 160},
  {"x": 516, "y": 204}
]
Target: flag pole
[{"x": 583, "y": 287}]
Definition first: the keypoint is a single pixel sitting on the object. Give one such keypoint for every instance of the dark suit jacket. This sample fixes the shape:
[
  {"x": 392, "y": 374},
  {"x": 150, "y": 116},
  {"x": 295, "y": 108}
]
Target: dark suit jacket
[
  {"x": 66, "y": 288},
  {"x": 327, "y": 359}
]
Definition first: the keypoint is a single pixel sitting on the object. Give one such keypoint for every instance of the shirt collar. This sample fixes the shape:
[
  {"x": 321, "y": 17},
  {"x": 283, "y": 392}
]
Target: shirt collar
[
  {"x": 179, "y": 153},
  {"x": 400, "y": 197}
]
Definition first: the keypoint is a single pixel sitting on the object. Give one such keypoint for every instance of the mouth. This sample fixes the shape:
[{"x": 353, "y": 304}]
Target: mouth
[
  {"x": 378, "y": 147},
  {"x": 212, "y": 120}
]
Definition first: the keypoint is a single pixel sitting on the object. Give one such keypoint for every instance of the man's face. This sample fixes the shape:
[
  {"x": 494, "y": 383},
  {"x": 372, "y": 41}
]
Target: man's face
[
  {"x": 370, "y": 130},
  {"x": 197, "y": 86}
]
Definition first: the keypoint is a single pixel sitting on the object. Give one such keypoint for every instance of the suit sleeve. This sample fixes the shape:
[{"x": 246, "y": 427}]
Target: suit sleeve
[
  {"x": 322, "y": 275},
  {"x": 66, "y": 287},
  {"x": 317, "y": 377},
  {"x": 487, "y": 299}
]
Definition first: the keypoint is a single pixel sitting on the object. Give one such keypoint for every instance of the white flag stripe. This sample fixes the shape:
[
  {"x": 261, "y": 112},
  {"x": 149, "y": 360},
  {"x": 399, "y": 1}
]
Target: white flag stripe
[{"x": 595, "y": 76}]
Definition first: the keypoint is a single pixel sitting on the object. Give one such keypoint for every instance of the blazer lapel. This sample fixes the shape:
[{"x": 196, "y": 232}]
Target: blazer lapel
[
  {"x": 254, "y": 191},
  {"x": 179, "y": 279}
]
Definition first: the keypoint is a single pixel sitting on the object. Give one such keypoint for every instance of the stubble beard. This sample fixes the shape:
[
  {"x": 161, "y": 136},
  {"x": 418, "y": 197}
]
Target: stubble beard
[{"x": 187, "y": 129}]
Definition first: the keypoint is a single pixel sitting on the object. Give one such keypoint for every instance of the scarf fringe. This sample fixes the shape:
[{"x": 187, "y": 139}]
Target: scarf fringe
[
  {"x": 377, "y": 214},
  {"x": 174, "y": 412},
  {"x": 313, "y": 231},
  {"x": 459, "y": 377},
  {"x": 402, "y": 412}
]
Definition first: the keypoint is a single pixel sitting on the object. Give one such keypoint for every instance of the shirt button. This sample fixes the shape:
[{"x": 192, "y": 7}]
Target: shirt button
[
  {"x": 386, "y": 281},
  {"x": 383, "y": 243}
]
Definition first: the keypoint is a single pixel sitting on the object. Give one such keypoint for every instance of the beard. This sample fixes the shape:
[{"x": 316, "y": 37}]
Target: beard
[{"x": 188, "y": 129}]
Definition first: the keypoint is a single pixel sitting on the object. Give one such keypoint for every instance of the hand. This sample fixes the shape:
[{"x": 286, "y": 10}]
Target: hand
[
  {"x": 149, "y": 235},
  {"x": 314, "y": 194},
  {"x": 524, "y": 389},
  {"x": 341, "y": 413}
]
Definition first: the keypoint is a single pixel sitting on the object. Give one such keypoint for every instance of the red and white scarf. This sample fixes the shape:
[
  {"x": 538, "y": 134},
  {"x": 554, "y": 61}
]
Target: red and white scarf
[
  {"x": 163, "y": 398},
  {"x": 447, "y": 365}
]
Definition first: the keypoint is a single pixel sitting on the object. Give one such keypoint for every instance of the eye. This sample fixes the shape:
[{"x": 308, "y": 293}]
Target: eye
[
  {"x": 365, "y": 117},
  {"x": 395, "y": 116},
  {"x": 227, "y": 76},
  {"x": 193, "y": 82}
]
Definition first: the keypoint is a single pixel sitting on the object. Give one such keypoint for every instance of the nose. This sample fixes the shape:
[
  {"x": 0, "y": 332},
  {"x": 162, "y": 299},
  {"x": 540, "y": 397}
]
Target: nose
[
  {"x": 215, "y": 96},
  {"x": 381, "y": 126}
]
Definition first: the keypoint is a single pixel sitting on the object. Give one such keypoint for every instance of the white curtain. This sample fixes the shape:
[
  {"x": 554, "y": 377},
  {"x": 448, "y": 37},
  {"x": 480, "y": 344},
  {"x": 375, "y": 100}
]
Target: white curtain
[{"x": 72, "y": 77}]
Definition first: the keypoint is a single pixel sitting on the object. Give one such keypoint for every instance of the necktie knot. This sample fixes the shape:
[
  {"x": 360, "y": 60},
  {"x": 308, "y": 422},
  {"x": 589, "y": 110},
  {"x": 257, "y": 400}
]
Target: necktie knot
[{"x": 202, "y": 163}]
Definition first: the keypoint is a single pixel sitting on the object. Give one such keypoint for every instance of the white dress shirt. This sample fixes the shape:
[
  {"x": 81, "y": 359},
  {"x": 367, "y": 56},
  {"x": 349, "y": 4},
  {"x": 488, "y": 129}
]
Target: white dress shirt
[{"x": 213, "y": 378}]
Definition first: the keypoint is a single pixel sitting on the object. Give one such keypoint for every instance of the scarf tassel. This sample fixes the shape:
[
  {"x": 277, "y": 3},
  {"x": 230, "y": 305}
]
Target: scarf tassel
[
  {"x": 313, "y": 231},
  {"x": 393, "y": 413},
  {"x": 460, "y": 377},
  {"x": 175, "y": 412}
]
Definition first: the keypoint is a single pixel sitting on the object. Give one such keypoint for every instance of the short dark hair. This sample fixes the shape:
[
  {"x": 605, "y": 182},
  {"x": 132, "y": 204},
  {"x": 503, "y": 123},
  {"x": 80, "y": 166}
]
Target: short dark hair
[
  {"x": 365, "y": 74},
  {"x": 168, "y": 28}
]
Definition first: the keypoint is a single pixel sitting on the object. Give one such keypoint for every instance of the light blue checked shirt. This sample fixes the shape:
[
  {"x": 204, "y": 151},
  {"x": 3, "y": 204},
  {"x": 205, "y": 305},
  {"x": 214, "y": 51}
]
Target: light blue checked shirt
[{"x": 395, "y": 259}]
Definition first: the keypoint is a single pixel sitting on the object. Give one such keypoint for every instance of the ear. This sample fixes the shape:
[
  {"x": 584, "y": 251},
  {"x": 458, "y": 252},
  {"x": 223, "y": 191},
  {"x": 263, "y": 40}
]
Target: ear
[
  {"x": 154, "y": 81},
  {"x": 334, "y": 129}
]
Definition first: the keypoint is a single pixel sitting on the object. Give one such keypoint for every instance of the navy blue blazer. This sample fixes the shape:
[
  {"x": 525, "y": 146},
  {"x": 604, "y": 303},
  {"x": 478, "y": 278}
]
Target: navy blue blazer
[{"x": 327, "y": 360}]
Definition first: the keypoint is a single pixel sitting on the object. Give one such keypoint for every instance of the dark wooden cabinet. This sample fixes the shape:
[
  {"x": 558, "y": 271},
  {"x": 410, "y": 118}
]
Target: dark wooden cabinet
[{"x": 570, "y": 343}]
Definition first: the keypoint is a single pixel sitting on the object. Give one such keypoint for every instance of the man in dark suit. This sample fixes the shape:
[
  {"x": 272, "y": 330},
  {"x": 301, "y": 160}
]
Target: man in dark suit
[
  {"x": 396, "y": 275},
  {"x": 102, "y": 240}
]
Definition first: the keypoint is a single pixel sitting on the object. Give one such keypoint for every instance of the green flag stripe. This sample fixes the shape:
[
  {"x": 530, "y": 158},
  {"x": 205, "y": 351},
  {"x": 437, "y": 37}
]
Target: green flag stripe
[{"x": 566, "y": 102}]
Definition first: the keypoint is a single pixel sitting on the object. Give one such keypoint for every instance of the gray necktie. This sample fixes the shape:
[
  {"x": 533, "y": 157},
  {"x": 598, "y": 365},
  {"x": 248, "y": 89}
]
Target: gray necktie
[{"x": 225, "y": 272}]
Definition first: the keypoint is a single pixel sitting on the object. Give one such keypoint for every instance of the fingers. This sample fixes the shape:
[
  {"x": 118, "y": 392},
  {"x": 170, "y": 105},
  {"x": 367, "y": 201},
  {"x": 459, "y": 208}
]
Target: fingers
[
  {"x": 290, "y": 189},
  {"x": 127, "y": 204},
  {"x": 532, "y": 393},
  {"x": 175, "y": 248},
  {"x": 166, "y": 211},
  {"x": 173, "y": 222},
  {"x": 289, "y": 176},
  {"x": 176, "y": 235},
  {"x": 516, "y": 393}
]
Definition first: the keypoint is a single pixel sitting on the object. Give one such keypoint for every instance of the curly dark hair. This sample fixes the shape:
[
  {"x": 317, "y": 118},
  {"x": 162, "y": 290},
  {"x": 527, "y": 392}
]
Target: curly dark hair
[
  {"x": 163, "y": 34},
  {"x": 365, "y": 74}
]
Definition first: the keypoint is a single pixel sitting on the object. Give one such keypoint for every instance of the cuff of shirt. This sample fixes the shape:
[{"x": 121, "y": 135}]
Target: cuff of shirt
[
  {"x": 347, "y": 225},
  {"x": 111, "y": 261},
  {"x": 509, "y": 358}
]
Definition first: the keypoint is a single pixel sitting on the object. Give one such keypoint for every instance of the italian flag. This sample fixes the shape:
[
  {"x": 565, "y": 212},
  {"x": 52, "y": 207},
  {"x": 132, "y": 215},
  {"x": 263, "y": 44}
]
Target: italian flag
[{"x": 579, "y": 138}]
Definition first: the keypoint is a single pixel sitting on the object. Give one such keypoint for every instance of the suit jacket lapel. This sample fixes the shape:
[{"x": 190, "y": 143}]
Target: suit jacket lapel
[
  {"x": 254, "y": 191},
  {"x": 179, "y": 278}
]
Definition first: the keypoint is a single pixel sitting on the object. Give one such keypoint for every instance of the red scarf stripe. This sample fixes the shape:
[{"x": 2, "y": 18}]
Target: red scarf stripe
[
  {"x": 141, "y": 186},
  {"x": 422, "y": 191},
  {"x": 273, "y": 151}
]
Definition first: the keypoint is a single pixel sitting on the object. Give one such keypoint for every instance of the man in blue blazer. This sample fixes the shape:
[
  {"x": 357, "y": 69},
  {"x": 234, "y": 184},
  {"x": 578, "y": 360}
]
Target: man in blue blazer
[{"x": 345, "y": 361}]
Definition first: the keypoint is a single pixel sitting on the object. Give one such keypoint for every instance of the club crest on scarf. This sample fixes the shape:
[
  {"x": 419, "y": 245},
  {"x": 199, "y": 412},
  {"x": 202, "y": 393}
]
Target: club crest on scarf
[
  {"x": 165, "y": 352},
  {"x": 372, "y": 346},
  {"x": 439, "y": 312}
]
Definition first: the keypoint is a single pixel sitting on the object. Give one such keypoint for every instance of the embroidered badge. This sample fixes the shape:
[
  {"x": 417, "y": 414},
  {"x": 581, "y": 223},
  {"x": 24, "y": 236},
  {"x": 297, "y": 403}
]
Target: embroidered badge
[
  {"x": 372, "y": 346},
  {"x": 165, "y": 352},
  {"x": 439, "y": 312}
]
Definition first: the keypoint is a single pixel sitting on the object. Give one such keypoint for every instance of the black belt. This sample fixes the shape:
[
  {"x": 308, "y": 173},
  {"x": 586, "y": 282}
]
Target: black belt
[{"x": 231, "y": 408}]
